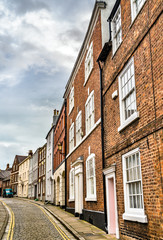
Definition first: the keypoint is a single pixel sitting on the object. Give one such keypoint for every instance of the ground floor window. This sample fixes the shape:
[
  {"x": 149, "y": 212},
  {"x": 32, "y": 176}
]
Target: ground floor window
[
  {"x": 133, "y": 190},
  {"x": 91, "y": 178}
]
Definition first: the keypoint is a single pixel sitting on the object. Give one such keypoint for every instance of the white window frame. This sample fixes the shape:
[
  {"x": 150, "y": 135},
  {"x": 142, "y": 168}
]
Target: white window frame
[
  {"x": 125, "y": 122},
  {"x": 72, "y": 185},
  {"x": 132, "y": 214},
  {"x": 115, "y": 33},
  {"x": 134, "y": 11},
  {"x": 79, "y": 128},
  {"x": 91, "y": 197},
  {"x": 89, "y": 62},
  {"x": 71, "y": 100},
  {"x": 71, "y": 137},
  {"x": 89, "y": 112}
]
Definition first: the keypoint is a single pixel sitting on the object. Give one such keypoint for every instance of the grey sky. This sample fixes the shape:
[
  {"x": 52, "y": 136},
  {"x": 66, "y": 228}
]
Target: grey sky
[{"x": 39, "y": 42}]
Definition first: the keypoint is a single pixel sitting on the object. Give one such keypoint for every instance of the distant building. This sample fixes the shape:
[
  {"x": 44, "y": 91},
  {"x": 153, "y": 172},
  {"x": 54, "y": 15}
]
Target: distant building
[
  {"x": 24, "y": 176},
  {"x": 41, "y": 172},
  {"x": 15, "y": 172},
  {"x": 5, "y": 179},
  {"x": 33, "y": 176},
  {"x": 59, "y": 159},
  {"x": 49, "y": 160}
]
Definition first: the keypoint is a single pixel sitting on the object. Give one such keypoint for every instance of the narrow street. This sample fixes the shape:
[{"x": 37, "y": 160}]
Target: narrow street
[{"x": 30, "y": 222}]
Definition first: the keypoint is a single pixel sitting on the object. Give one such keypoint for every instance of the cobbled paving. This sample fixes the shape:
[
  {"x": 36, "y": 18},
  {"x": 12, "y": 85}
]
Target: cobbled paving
[{"x": 31, "y": 223}]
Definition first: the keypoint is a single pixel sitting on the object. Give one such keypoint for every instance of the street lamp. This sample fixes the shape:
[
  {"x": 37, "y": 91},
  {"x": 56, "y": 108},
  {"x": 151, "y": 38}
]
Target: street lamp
[{"x": 60, "y": 148}]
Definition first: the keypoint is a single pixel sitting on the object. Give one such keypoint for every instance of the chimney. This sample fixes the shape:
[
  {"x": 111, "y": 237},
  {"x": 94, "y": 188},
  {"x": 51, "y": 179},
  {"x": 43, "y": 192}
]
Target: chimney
[
  {"x": 7, "y": 166},
  {"x": 55, "y": 117},
  {"x": 30, "y": 153}
]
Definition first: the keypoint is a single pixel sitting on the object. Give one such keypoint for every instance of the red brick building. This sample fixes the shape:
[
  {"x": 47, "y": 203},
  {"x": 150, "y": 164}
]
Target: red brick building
[
  {"x": 59, "y": 159},
  {"x": 15, "y": 173},
  {"x": 85, "y": 197},
  {"x": 42, "y": 172},
  {"x": 131, "y": 63}
]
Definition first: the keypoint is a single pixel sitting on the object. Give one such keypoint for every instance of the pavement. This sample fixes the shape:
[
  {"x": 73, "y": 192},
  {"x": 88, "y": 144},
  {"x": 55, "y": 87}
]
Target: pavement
[
  {"x": 80, "y": 229},
  {"x": 3, "y": 219}
]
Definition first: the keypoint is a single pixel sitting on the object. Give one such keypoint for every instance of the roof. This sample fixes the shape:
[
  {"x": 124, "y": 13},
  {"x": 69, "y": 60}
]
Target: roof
[
  {"x": 20, "y": 158},
  {"x": 4, "y": 174}
]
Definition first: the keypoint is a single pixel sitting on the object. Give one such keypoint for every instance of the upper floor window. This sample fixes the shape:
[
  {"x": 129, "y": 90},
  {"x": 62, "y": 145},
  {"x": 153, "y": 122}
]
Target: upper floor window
[
  {"x": 91, "y": 178},
  {"x": 71, "y": 137},
  {"x": 127, "y": 95},
  {"x": 78, "y": 127},
  {"x": 117, "y": 30},
  {"x": 71, "y": 184},
  {"x": 136, "y": 5},
  {"x": 89, "y": 110},
  {"x": 71, "y": 99},
  {"x": 89, "y": 62},
  {"x": 133, "y": 190}
]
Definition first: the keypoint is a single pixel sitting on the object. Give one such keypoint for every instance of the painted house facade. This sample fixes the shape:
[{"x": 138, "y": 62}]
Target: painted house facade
[
  {"x": 15, "y": 173},
  {"x": 85, "y": 196},
  {"x": 49, "y": 160},
  {"x": 24, "y": 176},
  {"x": 131, "y": 79},
  {"x": 41, "y": 173},
  {"x": 33, "y": 176},
  {"x": 59, "y": 159}
]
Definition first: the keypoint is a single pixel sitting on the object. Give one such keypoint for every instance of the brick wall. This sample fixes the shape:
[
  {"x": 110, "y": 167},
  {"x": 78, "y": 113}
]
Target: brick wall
[
  {"x": 59, "y": 137},
  {"x": 141, "y": 40},
  {"x": 81, "y": 93}
]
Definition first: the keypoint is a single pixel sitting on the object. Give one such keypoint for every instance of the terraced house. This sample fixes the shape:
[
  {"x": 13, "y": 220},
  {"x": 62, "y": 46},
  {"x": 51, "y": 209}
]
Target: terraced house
[
  {"x": 59, "y": 159},
  {"x": 15, "y": 173},
  {"x": 24, "y": 176},
  {"x": 49, "y": 160},
  {"x": 85, "y": 196},
  {"x": 130, "y": 64},
  {"x": 41, "y": 172},
  {"x": 33, "y": 176}
]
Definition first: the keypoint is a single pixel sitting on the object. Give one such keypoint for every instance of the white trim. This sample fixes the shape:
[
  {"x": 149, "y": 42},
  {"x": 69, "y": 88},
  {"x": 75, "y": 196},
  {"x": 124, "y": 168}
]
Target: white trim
[
  {"x": 133, "y": 214},
  {"x": 135, "y": 218},
  {"x": 89, "y": 104},
  {"x": 89, "y": 196},
  {"x": 85, "y": 137},
  {"x": 110, "y": 173},
  {"x": 78, "y": 130},
  {"x": 124, "y": 123},
  {"x": 128, "y": 121},
  {"x": 71, "y": 100},
  {"x": 91, "y": 199},
  {"x": 113, "y": 25},
  {"x": 88, "y": 61},
  {"x": 133, "y": 10}
]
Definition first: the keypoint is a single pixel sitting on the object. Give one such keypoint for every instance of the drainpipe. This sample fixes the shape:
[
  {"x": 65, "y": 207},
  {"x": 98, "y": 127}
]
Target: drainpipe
[
  {"x": 65, "y": 154},
  {"x": 102, "y": 142}
]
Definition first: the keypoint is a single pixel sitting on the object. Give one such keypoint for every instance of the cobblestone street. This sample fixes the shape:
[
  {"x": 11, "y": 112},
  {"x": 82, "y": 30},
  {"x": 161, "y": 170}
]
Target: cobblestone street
[{"x": 33, "y": 222}]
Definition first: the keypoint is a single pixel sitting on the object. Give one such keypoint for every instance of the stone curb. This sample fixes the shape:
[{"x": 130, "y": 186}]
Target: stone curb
[
  {"x": 67, "y": 226},
  {"x": 2, "y": 230}
]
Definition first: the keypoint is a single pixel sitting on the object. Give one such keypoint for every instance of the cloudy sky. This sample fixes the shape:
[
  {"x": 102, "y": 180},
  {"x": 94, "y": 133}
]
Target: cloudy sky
[{"x": 39, "y": 43}]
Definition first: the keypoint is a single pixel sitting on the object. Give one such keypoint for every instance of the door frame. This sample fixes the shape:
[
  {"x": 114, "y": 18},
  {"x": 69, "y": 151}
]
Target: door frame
[
  {"x": 78, "y": 168},
  {"x": 110, "y": 173}
]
